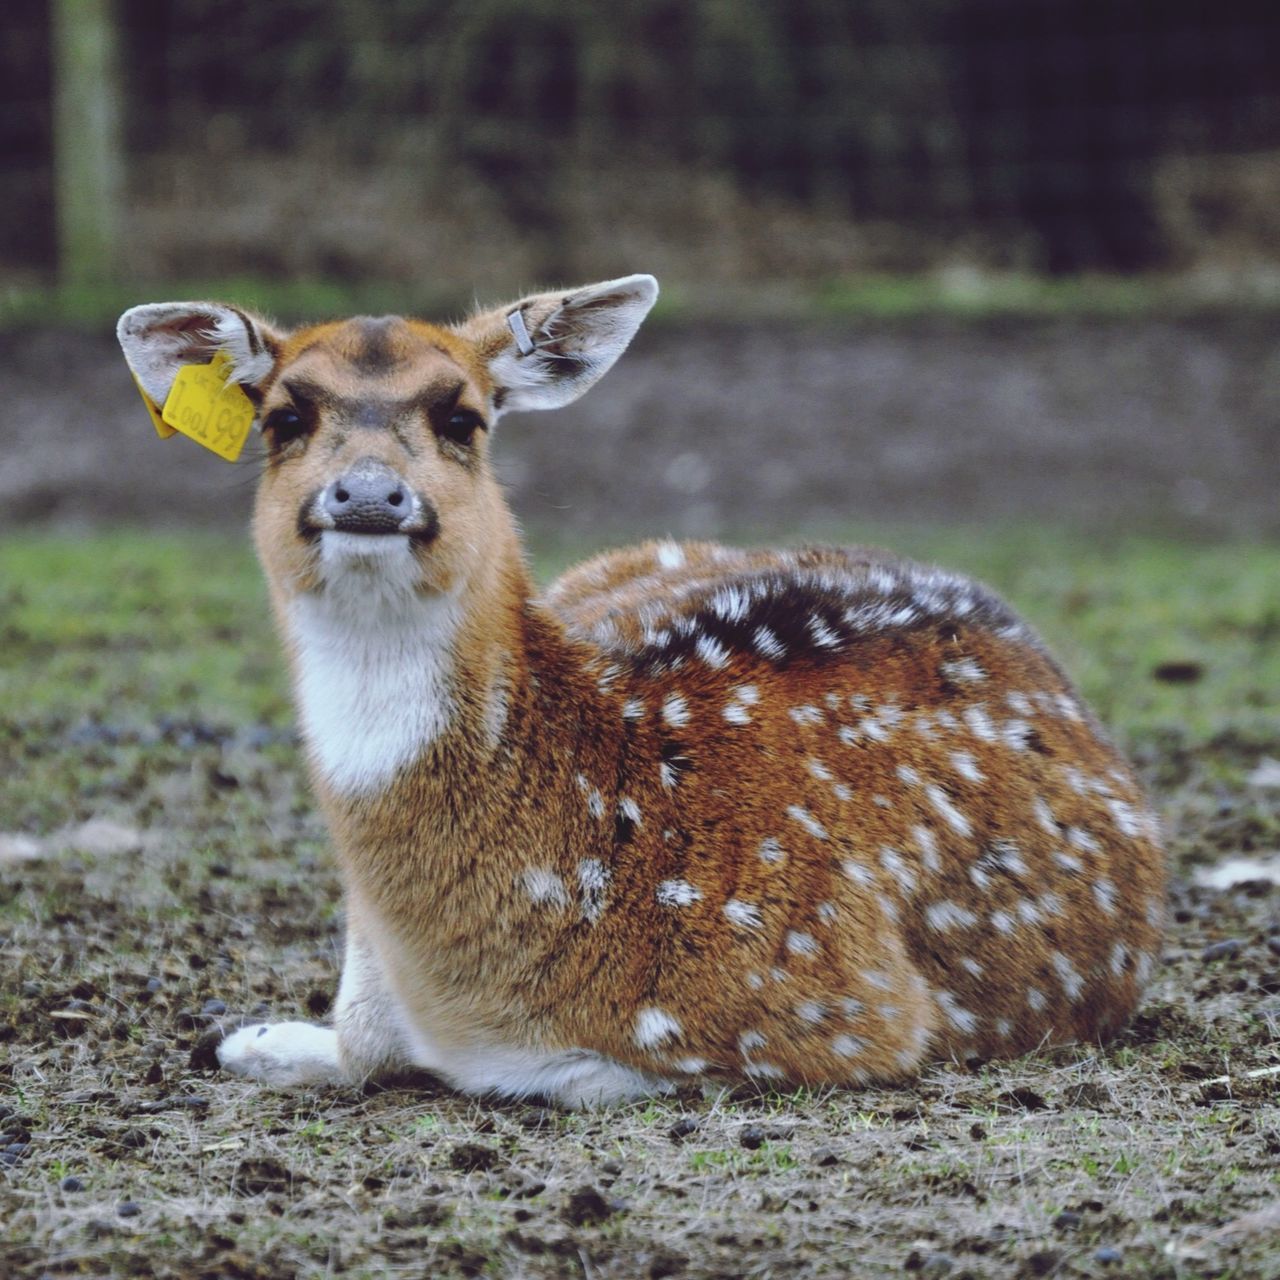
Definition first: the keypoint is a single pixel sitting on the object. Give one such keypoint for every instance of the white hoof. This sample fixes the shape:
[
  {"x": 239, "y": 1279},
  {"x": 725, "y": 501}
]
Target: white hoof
[{"x": 282, "y": 1053}]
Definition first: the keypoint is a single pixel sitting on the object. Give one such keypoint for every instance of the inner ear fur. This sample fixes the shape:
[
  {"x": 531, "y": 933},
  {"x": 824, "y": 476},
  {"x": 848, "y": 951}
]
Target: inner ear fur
[
  {"x": 158, "y": 338},
  {"x": 545, "y": 350}
]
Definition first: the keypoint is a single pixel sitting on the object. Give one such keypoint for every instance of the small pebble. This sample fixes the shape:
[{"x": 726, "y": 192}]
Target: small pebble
[
  {"x": 129, "y": 1208},
  {"x": 682, "y": 1129},
  {"x": 1107, "y": 1255},
  {"x": 1227, "y": 949},
  {"x": 215, "y": 1008},
  {"x": 937, "y": 1264},
  {"x": 1067, "y": 1220},
  {"x": 1273, "y": 943},
  {"x": 611, "y": 1168},
  {"x": 752, "y": 1137},
  {"x": 72, "y": 1183},
  {"x": 825, "y": 1157}
]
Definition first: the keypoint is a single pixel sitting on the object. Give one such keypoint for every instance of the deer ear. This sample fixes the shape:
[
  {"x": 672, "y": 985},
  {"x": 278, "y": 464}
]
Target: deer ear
[
  {"x": 546, "y": 350},
  {"x": 160, "y": 337}
]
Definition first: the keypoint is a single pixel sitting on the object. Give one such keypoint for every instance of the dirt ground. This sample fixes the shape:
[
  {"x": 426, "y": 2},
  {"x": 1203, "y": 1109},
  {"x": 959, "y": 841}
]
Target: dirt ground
[
  {"x": 1123, "y": 423},
  {"x": 126, "y": 943}
]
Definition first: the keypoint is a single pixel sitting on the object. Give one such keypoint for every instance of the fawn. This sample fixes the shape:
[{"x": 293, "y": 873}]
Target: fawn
[{"x": 807, "y": 816}]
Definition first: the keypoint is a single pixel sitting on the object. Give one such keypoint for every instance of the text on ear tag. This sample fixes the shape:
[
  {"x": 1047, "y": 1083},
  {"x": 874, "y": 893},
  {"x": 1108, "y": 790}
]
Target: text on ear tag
[
  {"x": 216, "y": 413},
  {"x": 163, "y": 429}
]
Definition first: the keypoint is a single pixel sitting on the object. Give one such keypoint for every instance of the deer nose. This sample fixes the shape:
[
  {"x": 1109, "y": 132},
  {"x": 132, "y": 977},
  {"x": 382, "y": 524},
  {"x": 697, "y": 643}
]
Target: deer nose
[{"x": 368, "y": 498}]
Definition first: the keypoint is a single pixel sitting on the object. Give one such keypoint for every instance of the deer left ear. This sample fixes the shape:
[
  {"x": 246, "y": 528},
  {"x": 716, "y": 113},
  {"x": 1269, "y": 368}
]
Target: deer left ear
[
  {"x": 160, "y": 337},
  {"x": 546, "y": 350}
]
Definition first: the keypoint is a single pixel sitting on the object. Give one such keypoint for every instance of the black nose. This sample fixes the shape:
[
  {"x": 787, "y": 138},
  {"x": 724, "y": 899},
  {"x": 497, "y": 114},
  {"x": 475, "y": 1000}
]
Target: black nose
[{"x": 369, "y": 498}]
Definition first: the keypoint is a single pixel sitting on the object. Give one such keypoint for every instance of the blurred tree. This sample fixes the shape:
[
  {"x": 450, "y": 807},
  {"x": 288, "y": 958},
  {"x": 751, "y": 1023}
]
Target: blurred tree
[{"x": 88, "y": 148}]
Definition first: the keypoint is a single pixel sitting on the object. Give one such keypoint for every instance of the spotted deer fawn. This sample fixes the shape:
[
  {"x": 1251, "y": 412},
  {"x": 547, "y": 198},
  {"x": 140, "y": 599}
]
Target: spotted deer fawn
[{"x": 807, "y": 816}]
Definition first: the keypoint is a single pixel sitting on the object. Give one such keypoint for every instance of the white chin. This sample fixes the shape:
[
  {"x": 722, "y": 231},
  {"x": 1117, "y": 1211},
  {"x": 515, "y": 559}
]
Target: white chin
[{"x": 348, "y": 549}]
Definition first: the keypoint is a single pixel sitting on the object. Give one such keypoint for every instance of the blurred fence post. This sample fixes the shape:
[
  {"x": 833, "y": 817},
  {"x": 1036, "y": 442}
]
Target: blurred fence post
[{"x": 88, "y": 146}]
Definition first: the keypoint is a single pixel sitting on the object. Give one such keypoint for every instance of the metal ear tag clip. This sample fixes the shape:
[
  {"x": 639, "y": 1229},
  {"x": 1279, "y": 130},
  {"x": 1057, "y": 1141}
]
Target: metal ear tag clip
[{"x": 515, "y": 322}]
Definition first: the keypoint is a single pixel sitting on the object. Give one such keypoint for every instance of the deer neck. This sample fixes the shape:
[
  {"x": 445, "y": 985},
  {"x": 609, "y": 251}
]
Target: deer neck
[{"x": 421, "y": 713}]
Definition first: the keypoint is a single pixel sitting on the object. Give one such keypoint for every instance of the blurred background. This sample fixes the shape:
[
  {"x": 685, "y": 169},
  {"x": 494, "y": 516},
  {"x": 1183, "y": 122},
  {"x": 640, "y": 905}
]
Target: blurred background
[{"x": 965, "y": 261}]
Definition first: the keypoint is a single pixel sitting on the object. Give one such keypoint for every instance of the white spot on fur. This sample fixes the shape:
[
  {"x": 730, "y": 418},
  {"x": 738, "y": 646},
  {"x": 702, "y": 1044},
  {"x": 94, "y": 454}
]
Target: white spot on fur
[
  {"x": 959, "y": 1018},
  {"x": 1036, "y": 1000},
  {"x": 1068, "y": 862},
  {"x": 1072, "y": 982},
  {"x": 767, "y": 644},
  {"x": 857, "y": 872},
  {"x": 805, "y": 714},
  {"x": 822, "y": 634},
  {"x": 807, "y": 821},
  {"x": 690, "y": 1066},
  {"x": 712, "y": 652},
  {"x": 979, "y": 723},
  {"x": 1044, "y": 815},
  {"x": 678, "y": 893},
  {"x": 811, "y": 1011},
  {"x": 927, "y": 843},
  {"x": 963, "y": 671},
  {"x": 736, "y": 713},
  {"x": 633, "y": 709},
  {"x": 967, "y": 767},
  {"x": 744, "y": 914},
  {"x": 675, "y": 710},
  {"x": 544, "y": 887},
  {"x": 1019, "y": 704},
  {"x": 908, "y": 775},
  {"x": 800, "y": 943},
  {"x": 894, "y": 863},
  {"x": 771, "y": 850},
  {"x": 1104, "y": 893},
  {"x": 947, "y": 811},
  {"x": 655, "y": 1027},
  {"x": 820, "y": 771},
  {"x": 629, "y": 810},
  {"x": 826, "y": 912},
  {"x": 593, "y": 884},
  {"x": 847, "y": 1046},
  {"x": 946, "y": 915},
  {"x": 749, "y": 1041}
]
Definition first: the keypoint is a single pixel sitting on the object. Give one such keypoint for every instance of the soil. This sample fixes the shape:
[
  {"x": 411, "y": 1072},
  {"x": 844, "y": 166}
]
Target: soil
[
  {"x": 1097, "y": 423},
  {"x": 128, "y": 945}
]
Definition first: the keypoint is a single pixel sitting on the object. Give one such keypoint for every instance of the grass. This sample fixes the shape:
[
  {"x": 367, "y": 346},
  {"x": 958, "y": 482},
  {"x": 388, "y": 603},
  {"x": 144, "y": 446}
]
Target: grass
[
  {"x": 957, "y": 293},
  {"x": 136, "y": 626},
  {"x": 140, "y": 683}
]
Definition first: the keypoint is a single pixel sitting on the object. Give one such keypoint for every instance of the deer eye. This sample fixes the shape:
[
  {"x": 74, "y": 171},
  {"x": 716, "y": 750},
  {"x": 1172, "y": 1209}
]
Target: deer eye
[
  {"x": 461, "y": 426},
  {"x": 285, "y": 425}
]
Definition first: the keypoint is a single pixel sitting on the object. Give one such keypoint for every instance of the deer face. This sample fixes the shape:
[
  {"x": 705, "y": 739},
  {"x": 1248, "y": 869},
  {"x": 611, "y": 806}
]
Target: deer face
[{"x": 377, "y": 431}]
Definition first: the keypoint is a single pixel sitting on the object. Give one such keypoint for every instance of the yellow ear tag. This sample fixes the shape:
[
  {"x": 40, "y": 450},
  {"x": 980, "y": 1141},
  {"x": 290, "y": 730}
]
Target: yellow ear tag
[
  {"x": 163, "y": 429},
  {"x": 216, "y": 413}
]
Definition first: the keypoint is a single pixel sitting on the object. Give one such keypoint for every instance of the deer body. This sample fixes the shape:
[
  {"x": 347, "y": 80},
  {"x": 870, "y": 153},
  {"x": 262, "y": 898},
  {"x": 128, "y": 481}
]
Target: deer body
[{"x": 793, "y": 816}]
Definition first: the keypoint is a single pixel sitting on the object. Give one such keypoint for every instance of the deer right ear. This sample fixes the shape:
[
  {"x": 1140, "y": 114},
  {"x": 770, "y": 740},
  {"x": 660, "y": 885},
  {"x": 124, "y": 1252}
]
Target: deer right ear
[
  {"x": 547, "y": 349},
  {"x": 160, "y": 337}
]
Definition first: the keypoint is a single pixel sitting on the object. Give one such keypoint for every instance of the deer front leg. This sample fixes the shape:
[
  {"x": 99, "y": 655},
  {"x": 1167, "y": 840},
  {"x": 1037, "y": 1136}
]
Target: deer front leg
[{"x": 366, "y": 1041}]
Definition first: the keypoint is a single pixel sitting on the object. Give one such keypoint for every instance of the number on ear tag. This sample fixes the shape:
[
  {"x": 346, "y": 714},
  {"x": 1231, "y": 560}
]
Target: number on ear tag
[{"x": 216, "y": 413}]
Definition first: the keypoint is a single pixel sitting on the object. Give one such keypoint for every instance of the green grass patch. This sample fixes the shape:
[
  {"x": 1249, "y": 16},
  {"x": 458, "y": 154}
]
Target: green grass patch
[
  {"x": 957, "y": 293},
  {"x": 1160, "y": 635}
]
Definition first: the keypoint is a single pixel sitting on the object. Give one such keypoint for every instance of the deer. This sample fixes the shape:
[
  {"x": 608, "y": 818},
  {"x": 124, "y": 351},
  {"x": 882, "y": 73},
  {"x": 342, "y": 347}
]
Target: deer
[{"x": 693, "y": 815}]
